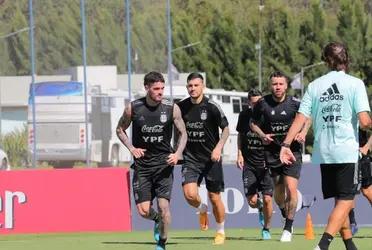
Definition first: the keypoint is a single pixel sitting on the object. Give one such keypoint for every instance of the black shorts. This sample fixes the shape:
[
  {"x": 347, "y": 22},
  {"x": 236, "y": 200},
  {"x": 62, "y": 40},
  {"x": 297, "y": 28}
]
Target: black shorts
[
  {"x": 365, "y": 167},
  {"x": 293, "y": 170},
  {"x": 211, "y": 171},
  {"x": 257, "y": 180},
  {"x": 150, "y": 184},
  {"x": 340, "y": 181}
]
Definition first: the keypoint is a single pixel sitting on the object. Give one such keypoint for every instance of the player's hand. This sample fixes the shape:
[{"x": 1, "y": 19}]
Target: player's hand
[
  {"x": 216, "y": 154},
  {"x": 267, "y": 139},
  {"x": 300, "y": 137},
  {"x": 286, "y": 156},
  {"x": 240, "y": 162},
  {"x": 364, "y": 150},
  {"x": 172, "y": 159},
  {"x": 138, "y": 152}
]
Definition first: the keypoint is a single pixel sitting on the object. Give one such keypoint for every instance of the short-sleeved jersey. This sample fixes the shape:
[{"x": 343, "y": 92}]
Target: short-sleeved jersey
[
  {"x": 333, "y": 101},
  {"x": 276, "y": 118},
  {"x": 152, "y": 130},
  {"x": 250, "y": 143},
  {"x": 202, "y": 122}
]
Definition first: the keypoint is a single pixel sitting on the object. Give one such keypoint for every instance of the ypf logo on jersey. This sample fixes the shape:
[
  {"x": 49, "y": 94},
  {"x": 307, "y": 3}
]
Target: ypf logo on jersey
[
  {"x": 203, "y": 114},
  {"x": 163, "y": 117},
  {"x": 331, "y": 94}
]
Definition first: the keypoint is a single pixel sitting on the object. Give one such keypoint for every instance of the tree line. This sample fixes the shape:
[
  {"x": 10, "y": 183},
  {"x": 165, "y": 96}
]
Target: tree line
[{"x": 293, "y": 33}]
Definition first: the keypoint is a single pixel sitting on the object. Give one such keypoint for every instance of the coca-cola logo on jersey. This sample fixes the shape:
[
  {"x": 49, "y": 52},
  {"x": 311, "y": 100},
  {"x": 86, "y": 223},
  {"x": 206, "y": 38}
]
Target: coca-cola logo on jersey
[
  {"x": 152, "y": 129},
  {"x": 331, "y": 108},
  {"x": 197, "y": 125}
]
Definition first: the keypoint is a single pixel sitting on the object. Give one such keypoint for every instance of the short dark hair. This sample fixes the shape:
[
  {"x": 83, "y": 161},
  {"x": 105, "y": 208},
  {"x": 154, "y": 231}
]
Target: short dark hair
[
  {"x": 194, "y": 75},
  {"x": 336, "y": 56},
  {"x": 253, "y": 93},
  {"x": 279, "y": 74},
  {"x": 153, "y": 77}
]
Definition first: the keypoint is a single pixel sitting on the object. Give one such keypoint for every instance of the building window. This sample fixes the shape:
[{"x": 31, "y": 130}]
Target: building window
[
  {"x": 226, "y": 99},
  {"x": 245, "y": 104},
  {"x": 236, "y": 106}
]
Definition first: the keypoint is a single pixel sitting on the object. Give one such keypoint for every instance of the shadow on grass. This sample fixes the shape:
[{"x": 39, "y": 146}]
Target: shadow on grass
[
  {"x": 212, "y": 238},
  {"x": 134, "y": 243}
]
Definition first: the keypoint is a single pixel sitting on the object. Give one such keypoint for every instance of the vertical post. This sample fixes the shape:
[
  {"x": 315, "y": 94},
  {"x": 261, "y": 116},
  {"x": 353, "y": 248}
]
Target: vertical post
[
  {"x": 170, "y": 77},
  {"x": 32, "y": 59},
  {"x": 84, "y": 45},
  {"x": 260, "y": 46},
  {"x": 129, "y": 49},
  {"x": 302, "y": 95},
  {"x": 1, "y": 117},
  {"x": 302, "y": 81}
]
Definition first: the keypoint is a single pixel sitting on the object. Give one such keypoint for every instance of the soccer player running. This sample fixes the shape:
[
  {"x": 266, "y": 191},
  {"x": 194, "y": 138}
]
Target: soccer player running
[
  {"x": 335, "y": 102},
  {"x": 256, "y": 176},
  {"x": 365, "y": 167},
  {"x": 202, "y": 155},
  {"x": 152, "y": 119},
  {"x": 272, "y": 116}
]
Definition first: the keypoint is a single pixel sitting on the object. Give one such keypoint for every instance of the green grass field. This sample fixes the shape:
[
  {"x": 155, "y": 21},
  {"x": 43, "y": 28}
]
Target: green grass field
[{"x": 237, "y": 239}]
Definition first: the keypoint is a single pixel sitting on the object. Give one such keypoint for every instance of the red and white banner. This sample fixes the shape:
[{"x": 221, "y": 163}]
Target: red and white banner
[{"x": 64, "y": 200}]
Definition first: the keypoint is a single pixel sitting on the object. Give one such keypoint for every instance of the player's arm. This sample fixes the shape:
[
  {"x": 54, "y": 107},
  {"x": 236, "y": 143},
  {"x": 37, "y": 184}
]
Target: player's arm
[
  {"x": 182, "y": 140},
  {"x": 216, "y": 153},
  {"x": 286, "y": 155},
  {"x": 365, "y": 122},
  {"x": 124, "y": 123},
  {"x": 301, "y": 136},
  {"x": 266, "y": 138},
  {"x": 239, "y": 158}
]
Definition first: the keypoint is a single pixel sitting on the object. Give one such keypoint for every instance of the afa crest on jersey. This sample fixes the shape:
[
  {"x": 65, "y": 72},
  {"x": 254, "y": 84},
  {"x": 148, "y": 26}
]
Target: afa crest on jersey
[
  {"x": 203, "y": 115},
  {"x": 163, "y": 117}
]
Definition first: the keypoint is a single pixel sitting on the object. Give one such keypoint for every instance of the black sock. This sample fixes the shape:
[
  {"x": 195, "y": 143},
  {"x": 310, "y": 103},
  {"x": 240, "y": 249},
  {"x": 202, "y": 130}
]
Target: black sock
[
  {"x": 288, "y": 225},
  {"x": 325, "y": 241},
  {"x": 352, "y": 216},
  {"x": 266, "y": 229},
  {"x": 162, "y": 242},
  {"x": 154, "y": 215},
  {"x": 349, "y": 244},
  {"x": 282, "y": 210}
]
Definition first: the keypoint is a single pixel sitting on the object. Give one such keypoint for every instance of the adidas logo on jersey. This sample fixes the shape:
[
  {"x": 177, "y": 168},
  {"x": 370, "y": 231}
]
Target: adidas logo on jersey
[{"x": 332, "y": 93}]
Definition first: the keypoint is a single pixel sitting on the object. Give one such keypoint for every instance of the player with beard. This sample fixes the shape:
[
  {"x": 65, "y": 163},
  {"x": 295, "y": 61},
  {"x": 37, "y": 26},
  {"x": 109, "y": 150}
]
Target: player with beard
[
  {"x": 152, "y": 119},
  {"x": 202, "y": 155},
  {"x": 271, "y": 119}
]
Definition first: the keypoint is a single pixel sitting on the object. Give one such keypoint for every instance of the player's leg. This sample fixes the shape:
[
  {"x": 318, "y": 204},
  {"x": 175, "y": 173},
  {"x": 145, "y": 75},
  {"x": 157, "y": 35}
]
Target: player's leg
[
  {"x": 163, "y": 183},
  {"x": 291, "y": 176},
  {"x": 352, "y": 220},
  {"x": 250, "y": 185},
  {"x": 366, "y": 170},
  {"x": 267, "y": 186},
  {"x": 215, "y": 185},
  {"x": 367, "y": 192},
  {"x": 191, "y": 176},
  {"x": 338, "y": 181},
  {"x": 279, "y": 190},
  {"x": 143, "y": 195}
]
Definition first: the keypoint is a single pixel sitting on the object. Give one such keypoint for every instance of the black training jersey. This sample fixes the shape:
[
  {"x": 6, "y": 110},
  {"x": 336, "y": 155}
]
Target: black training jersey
[
  {"x": 251, "y": 143},
  {"x": 152, "y": 130},
  {"x": 363, "y": 138},
  {"x": 202, "y": 122},
  {"x": 276, "y": 118}
]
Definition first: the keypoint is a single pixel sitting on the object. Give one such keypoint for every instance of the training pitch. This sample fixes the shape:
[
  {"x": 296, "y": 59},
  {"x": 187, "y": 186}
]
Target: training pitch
[{"x": 237, "y": 239}]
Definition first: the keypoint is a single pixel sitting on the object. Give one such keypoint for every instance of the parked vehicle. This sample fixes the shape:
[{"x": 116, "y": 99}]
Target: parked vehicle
[{"x": 61, "y": 133}]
